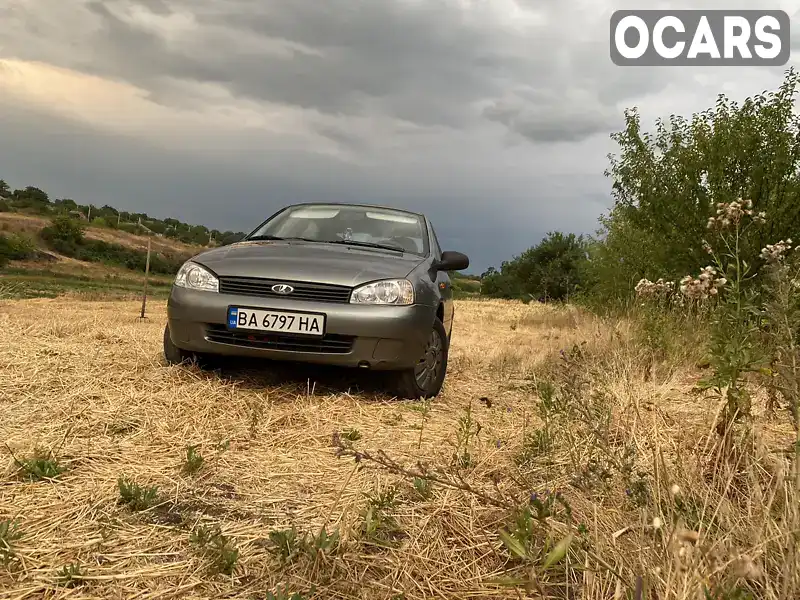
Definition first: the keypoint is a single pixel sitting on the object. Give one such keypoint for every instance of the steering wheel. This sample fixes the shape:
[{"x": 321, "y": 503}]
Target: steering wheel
[{"x": 407, "y": 243}]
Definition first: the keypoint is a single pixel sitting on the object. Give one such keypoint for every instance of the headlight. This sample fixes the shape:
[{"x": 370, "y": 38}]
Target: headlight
[
  {"x": 194, "y": 277},
  {"x": 398, "y": 292}
]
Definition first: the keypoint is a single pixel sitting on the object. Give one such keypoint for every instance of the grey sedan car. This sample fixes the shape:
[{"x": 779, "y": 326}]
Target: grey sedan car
[{"x": 338, "y": 284}]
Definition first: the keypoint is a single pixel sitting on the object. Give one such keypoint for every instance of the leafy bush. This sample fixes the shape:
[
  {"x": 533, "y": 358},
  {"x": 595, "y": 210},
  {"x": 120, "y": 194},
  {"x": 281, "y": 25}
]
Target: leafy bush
[
  {"x": 65, "y": 230},
  {"x": 15, "y": 247},
  {"x": 549, "y": 270},
  {"x": 668, "y": 183},
  {"x": 118, "y": 255}
]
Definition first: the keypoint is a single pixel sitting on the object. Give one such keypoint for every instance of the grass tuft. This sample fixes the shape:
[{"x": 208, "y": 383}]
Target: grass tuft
[{"x": 136, "y": 497}]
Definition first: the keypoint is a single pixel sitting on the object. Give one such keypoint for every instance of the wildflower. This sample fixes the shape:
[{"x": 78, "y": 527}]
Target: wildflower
[
  {"x": 657, "y": 523},
  {"x": 675, "y": 490},
  {"x": 707, "y": 284},
  {"x": 774, "y": 253},
  {"x": 731, "y": 213},
  {"x": 659, "y": 289}
]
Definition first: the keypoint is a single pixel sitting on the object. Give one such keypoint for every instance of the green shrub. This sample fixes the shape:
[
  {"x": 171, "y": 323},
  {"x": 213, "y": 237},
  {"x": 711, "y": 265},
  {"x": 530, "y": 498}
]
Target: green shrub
[
  {"x": 4, "y": 205},
  {"x": 63, "y": 229},
  {"x": 15, "y": 247}
]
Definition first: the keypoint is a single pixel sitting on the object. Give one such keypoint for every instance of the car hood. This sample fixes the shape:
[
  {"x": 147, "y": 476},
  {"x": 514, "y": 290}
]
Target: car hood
[{"x": 304, "y": 261}]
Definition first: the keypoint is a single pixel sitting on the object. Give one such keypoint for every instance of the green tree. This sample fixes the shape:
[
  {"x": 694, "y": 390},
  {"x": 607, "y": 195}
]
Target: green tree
[
  {"x": 550, "y": 270},
  {"x": 67, "y": 204},
  {"x": 667, "y": 184},
  {"x": 501, "y": 283},
  {"x": 31, "y": 195},
  {"x": 229, "y": 237}
]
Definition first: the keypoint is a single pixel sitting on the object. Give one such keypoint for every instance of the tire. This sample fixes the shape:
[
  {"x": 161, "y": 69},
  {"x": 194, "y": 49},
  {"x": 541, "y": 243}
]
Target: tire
[
  {"x": 173, "y": 354},
  {"x": 406, "y": 383}
]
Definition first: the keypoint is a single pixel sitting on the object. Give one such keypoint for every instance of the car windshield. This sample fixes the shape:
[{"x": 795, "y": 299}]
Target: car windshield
[{"x": 357, "y": 225}]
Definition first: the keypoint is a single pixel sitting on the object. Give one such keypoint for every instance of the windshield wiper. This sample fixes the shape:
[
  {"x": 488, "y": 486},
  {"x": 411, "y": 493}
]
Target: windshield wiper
[
  {"x": 368, "y": 245},
  {"x": 344, "y": 242},
  {"x": 276, "y": 237}
]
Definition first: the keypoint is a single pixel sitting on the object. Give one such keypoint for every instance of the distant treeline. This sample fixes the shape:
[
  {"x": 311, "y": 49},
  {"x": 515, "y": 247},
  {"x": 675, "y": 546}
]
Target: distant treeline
[{"x": 36, "y": 201}]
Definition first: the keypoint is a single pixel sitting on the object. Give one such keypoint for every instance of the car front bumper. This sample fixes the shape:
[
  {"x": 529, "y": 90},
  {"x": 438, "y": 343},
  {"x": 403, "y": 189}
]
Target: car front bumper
[{"x": 378, "y": 337}]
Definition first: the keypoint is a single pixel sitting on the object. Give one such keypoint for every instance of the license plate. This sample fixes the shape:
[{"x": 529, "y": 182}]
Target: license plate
[{"x": 276, "y": 321}]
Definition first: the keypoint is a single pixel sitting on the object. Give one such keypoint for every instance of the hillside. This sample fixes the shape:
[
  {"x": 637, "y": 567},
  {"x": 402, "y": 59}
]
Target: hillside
[
  {"x": 37, "y": 269},
  {"x": 31, "y": 225}
]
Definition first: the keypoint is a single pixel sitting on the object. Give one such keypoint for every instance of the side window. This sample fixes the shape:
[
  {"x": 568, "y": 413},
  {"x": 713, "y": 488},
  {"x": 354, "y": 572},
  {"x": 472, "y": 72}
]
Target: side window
[{"x": 437, "y": 250}]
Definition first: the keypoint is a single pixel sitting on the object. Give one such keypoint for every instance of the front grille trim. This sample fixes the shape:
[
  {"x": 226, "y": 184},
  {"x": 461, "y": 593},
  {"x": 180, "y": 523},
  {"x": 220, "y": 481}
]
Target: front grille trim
[
  {"x": 303, "y": 290},
  {"x": 326, "y": 344}
]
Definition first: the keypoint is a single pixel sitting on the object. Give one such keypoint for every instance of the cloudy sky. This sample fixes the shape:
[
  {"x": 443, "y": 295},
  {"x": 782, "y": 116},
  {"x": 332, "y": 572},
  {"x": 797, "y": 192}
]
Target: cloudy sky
[{"x": 492, "y": 116}]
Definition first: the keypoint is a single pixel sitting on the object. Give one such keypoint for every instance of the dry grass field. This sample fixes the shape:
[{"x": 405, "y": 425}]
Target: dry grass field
[{"x": 651, "y": 491}]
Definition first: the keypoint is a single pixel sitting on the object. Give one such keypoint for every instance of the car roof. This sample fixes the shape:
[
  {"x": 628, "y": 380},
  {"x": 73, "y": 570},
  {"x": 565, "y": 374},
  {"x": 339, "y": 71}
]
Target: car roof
[{"x": 359, "y": 205}]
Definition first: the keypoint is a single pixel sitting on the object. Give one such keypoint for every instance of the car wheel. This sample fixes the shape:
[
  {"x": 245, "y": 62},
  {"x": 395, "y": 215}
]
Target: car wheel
[
  {"x": 173, "y": 354},
  {"x": 426, "y": 378}
]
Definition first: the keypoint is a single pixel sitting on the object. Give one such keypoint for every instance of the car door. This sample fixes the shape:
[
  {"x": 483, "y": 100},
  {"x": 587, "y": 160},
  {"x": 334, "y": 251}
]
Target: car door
[{"x": 443, "y": 283}]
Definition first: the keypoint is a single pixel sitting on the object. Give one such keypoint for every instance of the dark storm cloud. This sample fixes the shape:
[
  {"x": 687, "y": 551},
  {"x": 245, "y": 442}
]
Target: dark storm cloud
[
  {"x": 552, "y": 117},
  {"x": 429, "y": 63},
  {"x": 413, "y": 60}
]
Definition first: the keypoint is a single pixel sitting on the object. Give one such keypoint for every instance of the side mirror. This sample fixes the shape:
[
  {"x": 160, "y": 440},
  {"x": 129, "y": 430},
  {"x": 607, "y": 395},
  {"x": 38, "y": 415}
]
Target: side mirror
[{"x": 452, "y": 261}]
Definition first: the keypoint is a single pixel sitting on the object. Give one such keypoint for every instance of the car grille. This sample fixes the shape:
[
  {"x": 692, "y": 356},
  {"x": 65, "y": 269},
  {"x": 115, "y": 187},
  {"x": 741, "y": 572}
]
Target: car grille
[
  {"x": 317, "y": 292},
  {"x": 326, "y": 344}
]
